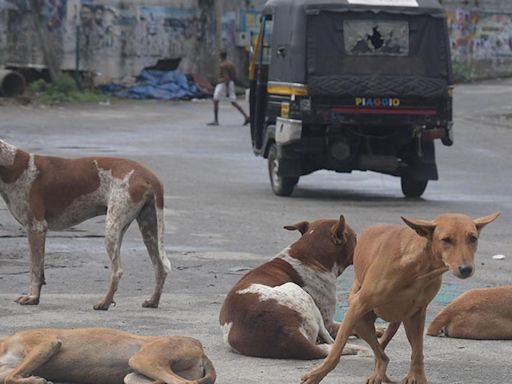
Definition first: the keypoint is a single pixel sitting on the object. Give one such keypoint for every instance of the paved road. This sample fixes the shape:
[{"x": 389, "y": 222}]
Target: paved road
[{"x": 222, "y": 218}]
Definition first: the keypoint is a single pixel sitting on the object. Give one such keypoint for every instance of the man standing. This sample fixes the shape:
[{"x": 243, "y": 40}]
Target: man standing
[{"x": 225, "y": 89}]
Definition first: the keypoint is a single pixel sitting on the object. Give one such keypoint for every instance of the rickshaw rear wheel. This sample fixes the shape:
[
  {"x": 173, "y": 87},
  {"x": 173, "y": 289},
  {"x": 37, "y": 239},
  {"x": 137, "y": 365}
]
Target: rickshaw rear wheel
[
  {"x": 281, "y": 186},
  {"x": 412, "y": 187}
]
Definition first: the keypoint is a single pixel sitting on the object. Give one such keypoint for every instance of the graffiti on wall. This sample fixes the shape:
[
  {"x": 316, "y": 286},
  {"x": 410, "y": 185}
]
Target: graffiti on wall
[
  {"x": 137, "y": 32},
  {"x": 479, "y": 35},
  {"x": 109, "y": 34}
]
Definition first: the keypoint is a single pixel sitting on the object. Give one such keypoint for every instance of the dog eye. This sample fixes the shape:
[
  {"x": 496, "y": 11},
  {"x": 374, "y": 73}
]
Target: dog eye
[
  {"x": 447, "y": 240},
  {"x": 473, "y": 239}
]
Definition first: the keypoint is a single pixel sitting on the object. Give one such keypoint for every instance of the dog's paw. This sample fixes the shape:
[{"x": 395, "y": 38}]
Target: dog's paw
[
  {"x": 380, "y": 330},
  {"x": 102, "y": 306},
  {"x": 415, "y": 379},
  {"x": 150, "y": 304},
  {"x": 36, "y": 380},
  {"x": 311, "y": 378},
  {"x": 27, "y": 300},
  {"x": 374, "y": 379}
]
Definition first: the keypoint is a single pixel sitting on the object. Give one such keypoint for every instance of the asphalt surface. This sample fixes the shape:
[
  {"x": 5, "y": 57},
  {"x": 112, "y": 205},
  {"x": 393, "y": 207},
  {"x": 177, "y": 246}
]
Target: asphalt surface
[{"x": 222, "y": 218}]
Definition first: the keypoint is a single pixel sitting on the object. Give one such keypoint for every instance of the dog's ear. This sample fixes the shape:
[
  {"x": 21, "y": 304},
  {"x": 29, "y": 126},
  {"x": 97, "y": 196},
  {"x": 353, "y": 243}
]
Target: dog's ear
[
  {"x": 302, "y": 227},
  {"x": 423, "y": 228},
  {"x": 337, "y": 231},
  {"x": 483, "y": 221}
]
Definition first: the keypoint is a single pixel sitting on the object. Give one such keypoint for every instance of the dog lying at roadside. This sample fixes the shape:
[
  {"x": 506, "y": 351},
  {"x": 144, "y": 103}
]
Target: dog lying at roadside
[
  {"x": 102, "y": 356},
  {"x": 52, "y": 193},
  {"x": 483, "y": 313},
  {"x": 398, "y": 272},
  {"x": 282, "y": 307}
]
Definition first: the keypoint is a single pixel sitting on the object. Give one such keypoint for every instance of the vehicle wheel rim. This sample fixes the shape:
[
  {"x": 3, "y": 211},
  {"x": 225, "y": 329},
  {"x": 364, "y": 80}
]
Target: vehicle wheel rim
[{"x": 274, "y": 170}]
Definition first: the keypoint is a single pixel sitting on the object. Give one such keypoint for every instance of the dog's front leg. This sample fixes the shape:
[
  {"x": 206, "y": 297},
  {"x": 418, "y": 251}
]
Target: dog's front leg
[
  {"x": 358, "y": 307},
  {"x": 36, "y": 231},
  {"x": 414, "y": 327},
  {"x": 35, "y": 358}
]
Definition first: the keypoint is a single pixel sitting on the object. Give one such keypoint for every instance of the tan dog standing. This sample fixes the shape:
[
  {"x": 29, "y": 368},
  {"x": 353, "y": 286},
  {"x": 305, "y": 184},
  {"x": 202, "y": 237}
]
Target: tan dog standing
[
  {"x": 44, "y": 192},
  {"x": 102, "y": 356},
  {"x": 281, "y": 308},
  {"x": 398, "y": 272},
  {"x": 483, "y": 313}
]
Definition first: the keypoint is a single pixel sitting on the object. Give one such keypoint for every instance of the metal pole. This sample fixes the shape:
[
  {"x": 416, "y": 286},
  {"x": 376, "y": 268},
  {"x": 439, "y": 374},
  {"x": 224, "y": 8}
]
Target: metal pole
[
  {"x": 218, "y": 34},
  {"x": 218, "y": 25},
  {"x": 77, "y": 57}
]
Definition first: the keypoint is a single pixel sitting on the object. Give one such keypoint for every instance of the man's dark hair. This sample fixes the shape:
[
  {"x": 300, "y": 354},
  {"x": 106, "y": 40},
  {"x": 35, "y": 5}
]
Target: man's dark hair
[{"x": 223, "y": 55}]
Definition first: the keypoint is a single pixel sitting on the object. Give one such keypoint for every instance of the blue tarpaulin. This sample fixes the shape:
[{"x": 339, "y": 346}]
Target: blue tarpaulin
[{"x": 154, "y": 84}]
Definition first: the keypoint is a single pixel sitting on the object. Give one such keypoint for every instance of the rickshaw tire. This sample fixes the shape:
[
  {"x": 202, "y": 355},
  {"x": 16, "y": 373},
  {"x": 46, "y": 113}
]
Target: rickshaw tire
[
  {"x": 281, "y": 186},
  {"x": 413, "y": 188}
]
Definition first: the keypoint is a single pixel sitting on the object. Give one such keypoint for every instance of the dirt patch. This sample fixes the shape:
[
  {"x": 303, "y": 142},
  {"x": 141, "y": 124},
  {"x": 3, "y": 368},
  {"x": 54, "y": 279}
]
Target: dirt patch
[{"x": 20, "y": 100}]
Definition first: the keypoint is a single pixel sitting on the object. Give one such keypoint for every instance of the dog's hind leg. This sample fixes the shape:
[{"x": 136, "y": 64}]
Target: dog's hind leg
[
  {"x": 174, "y": 361},
  {"x": 365, "y": 328},
  {"x": 361, "y": 303},
  {"x": 121, "y": 212},
  {"x": 151, "y": 225},
  {"x": 388, "y": 334},
  {"x": 35, "y": 358}
]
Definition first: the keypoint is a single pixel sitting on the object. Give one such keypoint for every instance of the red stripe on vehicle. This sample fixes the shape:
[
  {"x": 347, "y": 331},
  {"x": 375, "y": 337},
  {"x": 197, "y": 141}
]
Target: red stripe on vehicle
[{"x": 387, "y": 111}]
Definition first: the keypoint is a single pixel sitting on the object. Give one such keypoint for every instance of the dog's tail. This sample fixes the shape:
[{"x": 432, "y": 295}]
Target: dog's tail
[
  {"x": 209, "y": 372},
  {"x": 158, "y": 200},
  {"x": 437, "y": 327}
]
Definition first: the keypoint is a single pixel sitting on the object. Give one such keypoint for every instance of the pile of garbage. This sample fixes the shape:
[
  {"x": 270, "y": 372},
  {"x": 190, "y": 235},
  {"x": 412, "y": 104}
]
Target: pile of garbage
[{"x": 163, "y": 85}]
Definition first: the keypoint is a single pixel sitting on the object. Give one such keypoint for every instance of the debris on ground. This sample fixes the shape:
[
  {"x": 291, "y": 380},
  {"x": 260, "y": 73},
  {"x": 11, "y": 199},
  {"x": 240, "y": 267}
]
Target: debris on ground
[{"x": 163, "y": 85}]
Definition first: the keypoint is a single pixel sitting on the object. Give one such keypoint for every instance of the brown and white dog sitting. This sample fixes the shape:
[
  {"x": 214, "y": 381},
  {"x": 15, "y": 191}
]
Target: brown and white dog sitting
[
  {"x": 102, "y": 356},
  {"x": 45, "y": 192},
  {"x": 281, "y": 308},
  {"x": 483, "y": 314}
]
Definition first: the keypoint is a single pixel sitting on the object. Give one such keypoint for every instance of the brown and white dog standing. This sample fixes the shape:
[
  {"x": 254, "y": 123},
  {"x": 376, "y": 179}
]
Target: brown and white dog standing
[
  {"x": 282, "y": 307},
  {"x": 45, "y": 192},
  {"x": 102, "y": 356},
  {"x": 398, "y": 272},
  {"x": 483, "y": 314}
]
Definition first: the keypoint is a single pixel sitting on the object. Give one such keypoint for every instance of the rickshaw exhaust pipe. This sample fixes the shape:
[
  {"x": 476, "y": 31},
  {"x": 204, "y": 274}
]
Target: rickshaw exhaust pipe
[{"x": 12, "y": 83}]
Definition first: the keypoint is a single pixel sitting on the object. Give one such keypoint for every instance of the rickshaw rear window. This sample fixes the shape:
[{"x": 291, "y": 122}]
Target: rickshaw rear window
[
  {"x": 354, "y": 43},
  {"x": 374, "y": 37}
]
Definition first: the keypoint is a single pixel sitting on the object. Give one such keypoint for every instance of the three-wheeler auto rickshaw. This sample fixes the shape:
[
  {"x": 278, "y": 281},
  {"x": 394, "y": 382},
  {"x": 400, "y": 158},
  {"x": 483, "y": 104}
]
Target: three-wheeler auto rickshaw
[{"x": 351, "y": 85}]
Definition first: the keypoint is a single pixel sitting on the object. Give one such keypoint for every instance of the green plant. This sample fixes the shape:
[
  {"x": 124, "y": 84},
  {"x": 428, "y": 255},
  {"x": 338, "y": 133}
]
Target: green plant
[
  {"x": 64, "y": 90},
  {"x": 462, "y": 72}
]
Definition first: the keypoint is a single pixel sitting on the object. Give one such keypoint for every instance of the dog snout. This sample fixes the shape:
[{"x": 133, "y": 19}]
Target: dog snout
[{"x": 465, "y": 270}]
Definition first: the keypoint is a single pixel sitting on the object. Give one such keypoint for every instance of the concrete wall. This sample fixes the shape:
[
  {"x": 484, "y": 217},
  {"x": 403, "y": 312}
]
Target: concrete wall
[{"x": 121, "y": 37}]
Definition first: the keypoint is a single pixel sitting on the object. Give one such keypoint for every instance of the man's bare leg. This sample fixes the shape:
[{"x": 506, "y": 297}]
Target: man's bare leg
[
  {"x": 215, "y": 113},
  {"x": 241, "y": 110}
]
